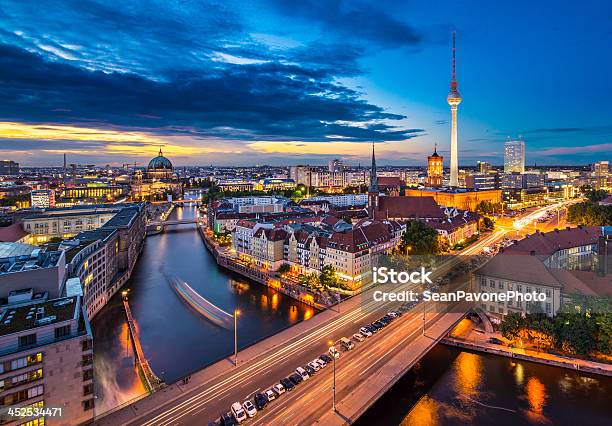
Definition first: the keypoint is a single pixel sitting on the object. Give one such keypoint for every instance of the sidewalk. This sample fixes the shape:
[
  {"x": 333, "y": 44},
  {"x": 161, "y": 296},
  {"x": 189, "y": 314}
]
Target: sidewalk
[{"x": 468, "y": 339}]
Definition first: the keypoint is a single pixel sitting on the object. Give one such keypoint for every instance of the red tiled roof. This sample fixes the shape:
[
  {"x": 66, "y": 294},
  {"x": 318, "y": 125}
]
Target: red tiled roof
[
  {"x": 550, "y": 242},
  {"x": 389, "y": 181},
  {"x": 408, "y": 207}
]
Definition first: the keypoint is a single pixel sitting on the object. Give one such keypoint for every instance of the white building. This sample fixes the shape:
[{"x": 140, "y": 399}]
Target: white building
[{"x": 514, "y": 156}]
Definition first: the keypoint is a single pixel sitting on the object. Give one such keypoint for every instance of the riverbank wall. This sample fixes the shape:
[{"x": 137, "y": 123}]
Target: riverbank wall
[{"x": 539, "y": 357}]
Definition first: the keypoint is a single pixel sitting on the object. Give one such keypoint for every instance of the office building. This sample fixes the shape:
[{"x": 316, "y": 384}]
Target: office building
[
  {"x": 514, "y": 156},
  {"x": 335, "y": 165}
]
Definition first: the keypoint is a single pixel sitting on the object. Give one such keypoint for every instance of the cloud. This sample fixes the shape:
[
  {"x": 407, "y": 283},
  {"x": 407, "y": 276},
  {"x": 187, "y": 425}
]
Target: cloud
[
  {"x": 262, "y": 101},
  {"x": 356, "y": 20},
  {"x": 577, "y": 150}
]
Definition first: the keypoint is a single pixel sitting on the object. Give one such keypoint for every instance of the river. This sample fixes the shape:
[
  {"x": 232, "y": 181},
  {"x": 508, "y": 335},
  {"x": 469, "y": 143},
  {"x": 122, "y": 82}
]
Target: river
[
  {"x": 176, "y": 340},
  {"x": 453, "y": 387}
]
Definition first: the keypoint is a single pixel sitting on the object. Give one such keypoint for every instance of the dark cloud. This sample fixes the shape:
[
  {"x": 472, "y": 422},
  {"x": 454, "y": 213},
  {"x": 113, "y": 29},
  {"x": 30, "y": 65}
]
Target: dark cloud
[
  {"x": 355, "y": 20},
  {"x": 266, "y": 101}
]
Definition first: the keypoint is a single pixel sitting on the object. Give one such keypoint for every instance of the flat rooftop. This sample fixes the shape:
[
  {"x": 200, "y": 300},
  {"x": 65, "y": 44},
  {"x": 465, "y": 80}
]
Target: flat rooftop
[
  {"x": 17, "y": 257},
  {"x": 15, "y": 320}
]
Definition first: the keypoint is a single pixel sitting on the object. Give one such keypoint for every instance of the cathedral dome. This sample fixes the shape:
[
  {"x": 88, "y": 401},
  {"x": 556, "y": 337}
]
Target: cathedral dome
[{"x": 160, "y": 163}]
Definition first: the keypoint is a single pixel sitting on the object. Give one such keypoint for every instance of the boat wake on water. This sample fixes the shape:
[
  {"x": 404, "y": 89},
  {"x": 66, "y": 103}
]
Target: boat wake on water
[{"x": 206, "y": 309}]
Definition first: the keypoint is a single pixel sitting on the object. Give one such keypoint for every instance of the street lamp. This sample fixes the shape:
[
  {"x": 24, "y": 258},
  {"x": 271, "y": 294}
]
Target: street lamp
[
  {"x": 124, "y": 294},
  {"x": 236, "y": 313},
  {"x": 331, "y": 343}
]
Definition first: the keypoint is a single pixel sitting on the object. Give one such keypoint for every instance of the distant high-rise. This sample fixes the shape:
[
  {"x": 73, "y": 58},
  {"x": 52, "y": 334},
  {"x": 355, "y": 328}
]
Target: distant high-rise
[
  {"x": 335, "y": 165},
  {"x": 601, "y": 173},
  {"x": 483, "y": 167},
  {"x": 454, "y": 99},
  {"x": 9, "y": 168},
  {"x": 435, "y": 168},
  {"x": 514, "y": 156}
]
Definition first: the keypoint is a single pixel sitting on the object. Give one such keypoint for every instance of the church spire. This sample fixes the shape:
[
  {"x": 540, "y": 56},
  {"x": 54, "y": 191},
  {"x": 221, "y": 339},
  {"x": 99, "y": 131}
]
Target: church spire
[{"x": 373, "y": 179}]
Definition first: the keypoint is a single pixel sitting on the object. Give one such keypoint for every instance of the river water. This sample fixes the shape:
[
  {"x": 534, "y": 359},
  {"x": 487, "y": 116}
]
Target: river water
[
  {"x": 176, "y": 340},
  {"x": 453, "y": 387}
]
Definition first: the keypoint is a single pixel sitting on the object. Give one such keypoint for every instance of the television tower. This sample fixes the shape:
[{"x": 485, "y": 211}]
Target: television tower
[{"x": 454, "y": 99}]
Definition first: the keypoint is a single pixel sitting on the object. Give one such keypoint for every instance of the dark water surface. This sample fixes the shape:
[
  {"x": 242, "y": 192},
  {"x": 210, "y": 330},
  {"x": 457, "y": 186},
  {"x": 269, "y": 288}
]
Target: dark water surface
[{"x": 451, "y": 387}]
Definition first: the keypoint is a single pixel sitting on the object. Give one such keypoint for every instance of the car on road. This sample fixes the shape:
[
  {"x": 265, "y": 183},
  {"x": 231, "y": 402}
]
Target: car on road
[
  {"x": 249, "y": 408},
  {"x": 365, "y": 331},
  {"x": 346, "y": 343},
  {"x": 303, "y": 373},
  {"x": 334, "y": 352},
  {"x": 227, "y": 419},
  {"x": 314, "y": 365},
  {"x": 325, "y": 358},
  {"x": 238, "y": 412},
  {"x": 296, "y": 379},
  {"x": 271, "y": 395},
  {"x": 358, "y": 337},
  {"x": 320, "y": 362},
  {"x": 286, "y": 383},
  {"x": 377, "y": 325},
  {"x": 260, "y": 401},
  {"x": 311, "y": 371},
  {"x": 395, "y": 314},
  {"x": 495, "y": 341}
]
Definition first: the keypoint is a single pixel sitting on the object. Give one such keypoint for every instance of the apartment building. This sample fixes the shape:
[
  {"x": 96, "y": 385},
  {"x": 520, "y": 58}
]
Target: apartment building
[{"x": 46, "y": 360}]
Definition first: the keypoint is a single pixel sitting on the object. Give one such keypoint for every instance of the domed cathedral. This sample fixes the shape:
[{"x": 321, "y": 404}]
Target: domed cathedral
[{"x": 157, "y": 181}]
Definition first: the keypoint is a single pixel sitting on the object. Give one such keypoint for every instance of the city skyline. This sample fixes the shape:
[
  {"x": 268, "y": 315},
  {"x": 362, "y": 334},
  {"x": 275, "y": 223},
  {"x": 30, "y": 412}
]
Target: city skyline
[{"x": 242, "y": 85}]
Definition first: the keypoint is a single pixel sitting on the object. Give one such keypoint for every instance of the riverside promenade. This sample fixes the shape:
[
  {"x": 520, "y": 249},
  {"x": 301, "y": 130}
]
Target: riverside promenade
[{"x": 482, "y": 345}]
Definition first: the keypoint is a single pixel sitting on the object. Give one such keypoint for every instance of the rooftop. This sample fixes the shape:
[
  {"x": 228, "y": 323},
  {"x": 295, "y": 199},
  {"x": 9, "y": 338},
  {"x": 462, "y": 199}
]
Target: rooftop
[
  {"x": 547, "y": 243},
  {"x": 37, "y": 315}
]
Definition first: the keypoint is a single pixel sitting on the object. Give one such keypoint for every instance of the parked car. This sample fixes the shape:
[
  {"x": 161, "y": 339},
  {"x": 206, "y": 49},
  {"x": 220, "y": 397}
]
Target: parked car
[
  {"x": 365, "y": 332},
  {"x": 320, "y": 362},
  {"x": 325, "y": 358},
  {"x": 303, "y": 373},
  {"x": 311, "y": 371},
  {"x": 346, "y": 343},
  {"x": 358, "y": 337},
  {"x": 271, "y": 395},
  {"x": 260, "y": 401},
  {"x": 314, "y": 365},
  {"x": 495, "y": 341},
  {"x": 334, "y": 352},
  {"x": 296, "y": 379},
  {"x": 227, "y": 419},
  {"x": 249, "y": 408},
  {"x": 287, "y": 383},
  {"x": 238, "y": 412}
]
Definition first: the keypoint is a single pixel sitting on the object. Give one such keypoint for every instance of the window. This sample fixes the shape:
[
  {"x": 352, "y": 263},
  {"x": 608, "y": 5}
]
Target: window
[
  {"x": 88, "y": 404},
  {"x": 88, "y": 389},
  {"x": 547, "y": 292},
  {"x": 501, "y": 285},
  {"x": 61, "y": 332},
  {"x": 548, "y": 308},
  {"x": 27, "y": 340},
  {"x": 88, "y": 374},
  {"x": 519, "y": 288},
  {"x": 492, "y": 283}
]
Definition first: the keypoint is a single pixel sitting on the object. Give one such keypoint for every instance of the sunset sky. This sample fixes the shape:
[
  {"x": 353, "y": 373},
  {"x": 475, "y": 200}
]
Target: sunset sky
[{"x": 291, "y": 82}]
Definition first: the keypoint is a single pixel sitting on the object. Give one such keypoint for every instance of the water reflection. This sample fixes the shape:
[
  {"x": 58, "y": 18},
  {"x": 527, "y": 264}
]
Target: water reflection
[
  {"x": 450, "y": 387},
  {"x": 176, "y": 340}
]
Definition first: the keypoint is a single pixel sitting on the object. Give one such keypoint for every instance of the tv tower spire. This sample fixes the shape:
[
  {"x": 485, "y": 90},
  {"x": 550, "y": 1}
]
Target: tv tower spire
[{"x": 454, "y": 99}]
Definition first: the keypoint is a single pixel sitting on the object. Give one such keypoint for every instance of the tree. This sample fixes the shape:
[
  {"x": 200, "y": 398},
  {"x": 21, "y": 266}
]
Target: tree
[
  {"x": 511, "y": 325},
  {"x": 328, "y": 277},
  {"x": 419, "y": 239},
  {"x": 487, "y": 224},
  {"x": 284, "y": 268},
  {"x": 590, "y": 214}
]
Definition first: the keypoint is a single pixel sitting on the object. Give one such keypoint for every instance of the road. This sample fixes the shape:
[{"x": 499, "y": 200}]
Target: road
[{"x": 203, "y": 402}]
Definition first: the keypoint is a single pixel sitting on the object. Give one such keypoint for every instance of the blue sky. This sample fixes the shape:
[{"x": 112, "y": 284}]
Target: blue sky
[{"x": 281, "y": 82}]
